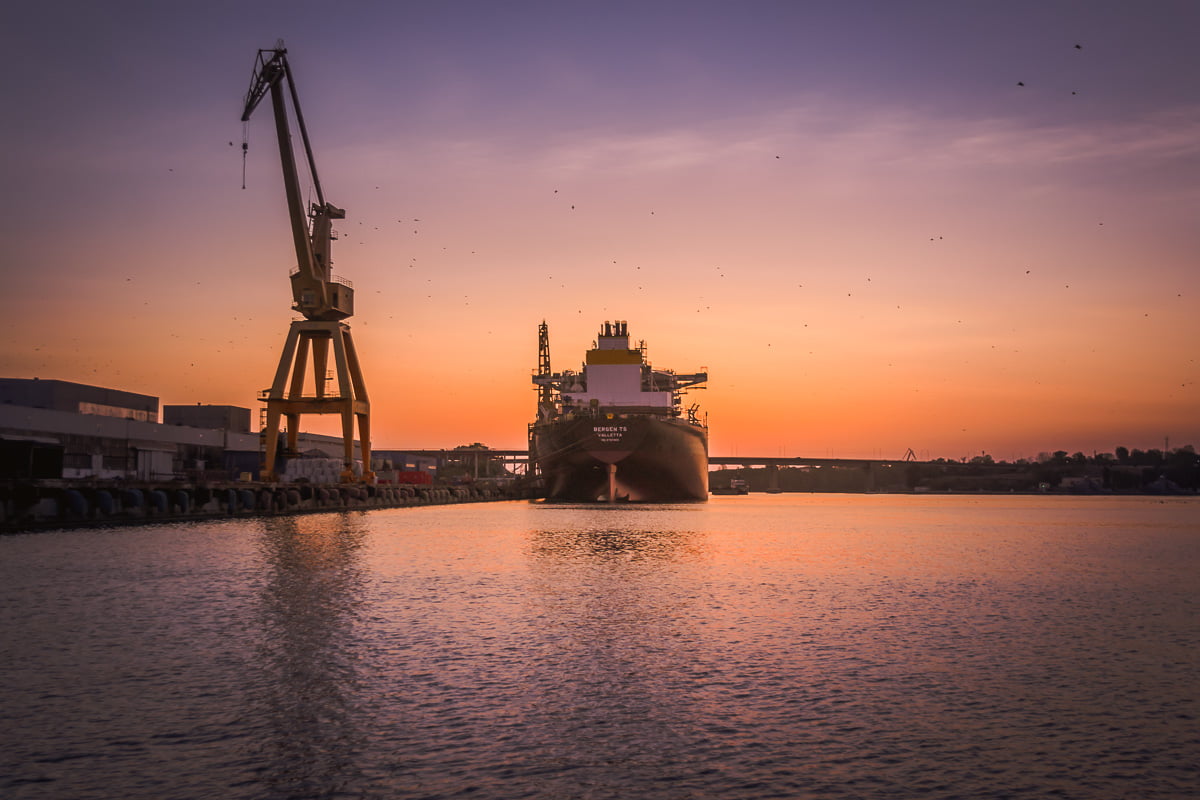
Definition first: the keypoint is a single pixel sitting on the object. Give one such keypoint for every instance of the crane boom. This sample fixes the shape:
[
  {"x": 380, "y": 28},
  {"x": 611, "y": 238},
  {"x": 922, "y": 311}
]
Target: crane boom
[{"x": 316, "y": 292}]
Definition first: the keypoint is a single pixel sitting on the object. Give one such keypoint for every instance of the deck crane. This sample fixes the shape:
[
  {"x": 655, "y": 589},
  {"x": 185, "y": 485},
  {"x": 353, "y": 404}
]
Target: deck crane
[{"x": 324, "y": 299}]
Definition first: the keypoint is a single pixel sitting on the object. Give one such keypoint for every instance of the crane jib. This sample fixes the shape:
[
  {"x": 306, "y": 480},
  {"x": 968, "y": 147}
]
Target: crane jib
[
  {"x": 314, "y": 294},
  {"x": 266, "y": 74}
]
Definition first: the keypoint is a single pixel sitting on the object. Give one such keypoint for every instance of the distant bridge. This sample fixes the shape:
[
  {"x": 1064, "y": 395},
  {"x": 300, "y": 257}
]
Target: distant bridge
[
  {"x": 799, "y": 461},
  {"x": 873, "y": 473}
]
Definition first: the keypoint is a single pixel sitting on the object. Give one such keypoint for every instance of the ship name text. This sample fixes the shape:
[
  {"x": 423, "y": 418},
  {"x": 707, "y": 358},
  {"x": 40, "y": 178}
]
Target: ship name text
[{"x": 609, "y": 433}]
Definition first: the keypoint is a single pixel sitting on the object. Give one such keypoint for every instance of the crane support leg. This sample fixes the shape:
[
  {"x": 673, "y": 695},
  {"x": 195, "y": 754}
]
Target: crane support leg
[
  {"x": 293, "y": 433},
  {"x": 348, "y": 446},
  {"x": 320, "y": 364},
  {"x": 364, "y": 438},
  {"x": 271, "y": 436},
  {"x": 290, "y": 396},
  {"x": 301, "y": 366}
]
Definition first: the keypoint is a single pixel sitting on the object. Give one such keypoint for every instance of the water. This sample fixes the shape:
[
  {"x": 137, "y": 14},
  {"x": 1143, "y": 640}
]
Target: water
[{"x": 831, "y": 646}]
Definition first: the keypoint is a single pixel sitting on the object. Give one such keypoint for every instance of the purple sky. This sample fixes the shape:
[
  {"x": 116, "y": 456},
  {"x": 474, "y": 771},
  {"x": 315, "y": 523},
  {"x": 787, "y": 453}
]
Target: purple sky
[{"x": 849, "y": 209}]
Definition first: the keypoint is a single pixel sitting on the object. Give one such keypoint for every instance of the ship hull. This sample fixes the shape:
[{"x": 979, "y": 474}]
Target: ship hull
[{"x": 644, "y": 458}]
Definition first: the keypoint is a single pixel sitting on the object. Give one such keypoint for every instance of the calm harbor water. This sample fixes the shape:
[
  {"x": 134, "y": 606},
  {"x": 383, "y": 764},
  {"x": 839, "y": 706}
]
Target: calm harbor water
[{"x": 826, "y": 646}]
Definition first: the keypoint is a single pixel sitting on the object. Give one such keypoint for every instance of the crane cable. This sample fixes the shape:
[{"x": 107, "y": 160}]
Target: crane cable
[{"x": 245, "y": 147}]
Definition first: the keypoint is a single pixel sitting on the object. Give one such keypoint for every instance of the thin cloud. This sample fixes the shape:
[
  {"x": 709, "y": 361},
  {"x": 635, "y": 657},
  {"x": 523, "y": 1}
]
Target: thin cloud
[{"x": 835, "y": 142}]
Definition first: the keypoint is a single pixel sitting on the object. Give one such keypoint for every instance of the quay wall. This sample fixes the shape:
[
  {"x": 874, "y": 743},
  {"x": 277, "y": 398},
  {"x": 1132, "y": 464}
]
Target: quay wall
[{"x": 51, "y": 504}]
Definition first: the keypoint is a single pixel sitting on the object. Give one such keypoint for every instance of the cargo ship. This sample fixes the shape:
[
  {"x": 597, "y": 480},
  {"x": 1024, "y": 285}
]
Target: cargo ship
[{"x": 617, "y": 430}]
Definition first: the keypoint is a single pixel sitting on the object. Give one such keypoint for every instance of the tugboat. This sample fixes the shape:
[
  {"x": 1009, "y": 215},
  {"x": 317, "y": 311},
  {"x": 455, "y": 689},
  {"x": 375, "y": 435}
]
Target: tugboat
[{"x": 616, "y": 430}]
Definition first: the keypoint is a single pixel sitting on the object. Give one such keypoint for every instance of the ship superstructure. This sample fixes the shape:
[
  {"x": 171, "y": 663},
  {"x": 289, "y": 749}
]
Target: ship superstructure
[{"x": 617, "y": 429}]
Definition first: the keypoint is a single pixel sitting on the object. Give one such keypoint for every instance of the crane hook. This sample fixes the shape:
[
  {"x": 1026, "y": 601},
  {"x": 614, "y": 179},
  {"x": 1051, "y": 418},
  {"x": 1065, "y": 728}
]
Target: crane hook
[{"x": 245, "y": 148}]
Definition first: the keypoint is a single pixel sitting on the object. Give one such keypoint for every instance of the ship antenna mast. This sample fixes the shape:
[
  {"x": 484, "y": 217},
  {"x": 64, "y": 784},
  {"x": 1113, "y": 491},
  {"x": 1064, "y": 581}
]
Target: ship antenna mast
[{"x": 545, "y": 387}]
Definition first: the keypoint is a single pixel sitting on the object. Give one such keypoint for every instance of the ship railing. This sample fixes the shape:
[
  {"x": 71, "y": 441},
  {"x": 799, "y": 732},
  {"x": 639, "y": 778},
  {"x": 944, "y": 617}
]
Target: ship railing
[{"x": 618, "y": 412}]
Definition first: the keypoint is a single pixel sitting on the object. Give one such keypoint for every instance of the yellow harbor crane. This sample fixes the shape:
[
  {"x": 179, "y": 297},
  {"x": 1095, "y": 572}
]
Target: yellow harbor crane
[{"x": 323, "y": 298}]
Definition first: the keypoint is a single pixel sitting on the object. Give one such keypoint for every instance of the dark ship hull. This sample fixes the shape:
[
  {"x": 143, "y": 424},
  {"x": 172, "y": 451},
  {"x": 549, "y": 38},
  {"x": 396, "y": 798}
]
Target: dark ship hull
[{"x": 648, "y": 458}]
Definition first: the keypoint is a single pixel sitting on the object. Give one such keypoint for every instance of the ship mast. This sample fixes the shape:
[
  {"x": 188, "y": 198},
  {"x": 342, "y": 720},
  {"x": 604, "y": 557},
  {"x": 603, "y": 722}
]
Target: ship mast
[{"x": 545, "y": 387}]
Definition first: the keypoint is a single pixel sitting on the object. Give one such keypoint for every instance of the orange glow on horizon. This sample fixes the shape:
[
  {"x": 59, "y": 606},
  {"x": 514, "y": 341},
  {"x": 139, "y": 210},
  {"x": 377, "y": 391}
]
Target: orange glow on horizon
[{"x": 908, "y": 251}]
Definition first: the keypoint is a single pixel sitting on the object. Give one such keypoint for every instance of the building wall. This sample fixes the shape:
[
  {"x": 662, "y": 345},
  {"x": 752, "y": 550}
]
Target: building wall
[
  {"x": 401, "y": 460},
  {"x": 108, "y": 447},
  {"x": 229, "y": 418},
  {"x": 78, "y": 398},
  {"x": 107, "y": 433}
]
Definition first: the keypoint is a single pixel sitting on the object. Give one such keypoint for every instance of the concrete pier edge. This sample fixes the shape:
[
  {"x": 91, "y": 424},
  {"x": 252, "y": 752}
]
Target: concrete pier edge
[{"x": 30, "y": 506}]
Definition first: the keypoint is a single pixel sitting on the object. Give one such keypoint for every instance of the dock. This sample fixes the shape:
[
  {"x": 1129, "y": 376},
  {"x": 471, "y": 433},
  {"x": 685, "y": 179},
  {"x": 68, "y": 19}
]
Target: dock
[{"x": 27, "y": 506}]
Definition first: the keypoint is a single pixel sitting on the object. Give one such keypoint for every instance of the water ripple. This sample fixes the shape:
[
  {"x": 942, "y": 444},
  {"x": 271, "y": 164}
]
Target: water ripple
[{"x": 789, "y": 646}]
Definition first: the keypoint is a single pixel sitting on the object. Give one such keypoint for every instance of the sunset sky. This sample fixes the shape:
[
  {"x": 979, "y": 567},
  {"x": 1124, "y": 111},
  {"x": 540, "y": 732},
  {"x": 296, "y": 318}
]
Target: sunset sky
[{"x": 853, "y": 214}]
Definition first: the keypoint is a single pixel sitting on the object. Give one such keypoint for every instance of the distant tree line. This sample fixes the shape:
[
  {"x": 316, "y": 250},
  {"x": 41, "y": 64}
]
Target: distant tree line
[
  {"x": 1124, "y": 470},
  {"x": 1122, "y": 456}
]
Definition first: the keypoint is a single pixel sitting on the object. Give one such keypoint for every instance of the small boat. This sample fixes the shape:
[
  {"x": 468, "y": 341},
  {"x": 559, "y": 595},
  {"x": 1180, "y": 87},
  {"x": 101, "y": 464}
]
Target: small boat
[{"x": 736, "y": 486}]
